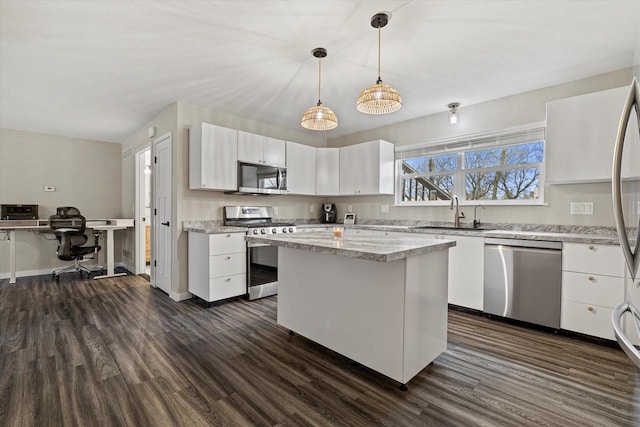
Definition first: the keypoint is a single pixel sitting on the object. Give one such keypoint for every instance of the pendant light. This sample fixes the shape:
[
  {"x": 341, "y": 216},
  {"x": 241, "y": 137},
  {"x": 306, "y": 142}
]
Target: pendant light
[
  {"x": 319, "y": 117},
  {"x": 379, "y": 98}
]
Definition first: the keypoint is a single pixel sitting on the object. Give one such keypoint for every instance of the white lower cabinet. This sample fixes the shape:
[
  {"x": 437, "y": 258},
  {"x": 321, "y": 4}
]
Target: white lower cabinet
[
  {"x": 466, "y": 271},
  {"x": 592, "y": 286},
  {"x": 217, "y": 265}
]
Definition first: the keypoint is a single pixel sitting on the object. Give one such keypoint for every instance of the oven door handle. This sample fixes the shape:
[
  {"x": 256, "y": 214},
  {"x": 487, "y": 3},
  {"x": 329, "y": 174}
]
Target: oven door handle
[{"x": 257, "y": 245}]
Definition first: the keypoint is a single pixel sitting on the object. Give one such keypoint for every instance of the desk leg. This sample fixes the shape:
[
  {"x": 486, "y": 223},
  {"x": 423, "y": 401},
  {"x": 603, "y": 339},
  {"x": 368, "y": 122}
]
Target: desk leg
[
  {"x": 110, "y": 260},
  {"x": 12, "y": 256}
]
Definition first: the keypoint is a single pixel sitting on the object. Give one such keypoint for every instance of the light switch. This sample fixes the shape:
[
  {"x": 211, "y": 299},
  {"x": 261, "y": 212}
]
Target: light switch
[{"x": 384, "y": 208}]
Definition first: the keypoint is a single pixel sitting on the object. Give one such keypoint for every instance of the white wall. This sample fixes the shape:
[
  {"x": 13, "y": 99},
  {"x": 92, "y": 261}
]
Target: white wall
[
  {"x": 512, "y": 111},
  {"x": 86, "y": 174}
]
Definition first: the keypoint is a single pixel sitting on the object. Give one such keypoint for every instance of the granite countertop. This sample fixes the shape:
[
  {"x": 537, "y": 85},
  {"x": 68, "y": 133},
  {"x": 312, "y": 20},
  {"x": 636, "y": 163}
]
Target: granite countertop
[
  {"x": 370, "y": 247},
  {"x": 210, "y": 227},
  {"x": 557, "y": 233},
  {"x": 588, "y": 235}
]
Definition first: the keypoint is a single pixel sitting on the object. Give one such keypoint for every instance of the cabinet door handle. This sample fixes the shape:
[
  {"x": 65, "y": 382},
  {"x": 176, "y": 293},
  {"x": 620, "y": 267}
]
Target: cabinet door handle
[
  {"x": 590, "y": 308},
  {"x": 165, "y": 223}
]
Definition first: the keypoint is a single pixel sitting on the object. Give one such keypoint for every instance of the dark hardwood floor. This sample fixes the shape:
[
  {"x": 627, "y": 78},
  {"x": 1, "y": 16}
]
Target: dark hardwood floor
[{"x": 116, "y": 352}]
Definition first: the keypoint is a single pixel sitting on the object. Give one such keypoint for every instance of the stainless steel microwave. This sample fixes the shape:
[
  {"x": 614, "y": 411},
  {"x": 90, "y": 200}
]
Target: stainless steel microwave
[{"x": 261, "y": 179}]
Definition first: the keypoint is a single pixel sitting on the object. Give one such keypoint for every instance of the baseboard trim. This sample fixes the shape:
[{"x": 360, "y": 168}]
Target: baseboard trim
[
  {"x": 28, "y": 273},
  {"x": 182, "y": 296},
  {"x": 49, "y": 270}
]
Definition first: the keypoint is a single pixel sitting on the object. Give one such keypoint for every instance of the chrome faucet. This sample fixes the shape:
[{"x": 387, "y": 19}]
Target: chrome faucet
[
  {"x": 476, "y": 222},
  {"x": 457, "y": 215}
]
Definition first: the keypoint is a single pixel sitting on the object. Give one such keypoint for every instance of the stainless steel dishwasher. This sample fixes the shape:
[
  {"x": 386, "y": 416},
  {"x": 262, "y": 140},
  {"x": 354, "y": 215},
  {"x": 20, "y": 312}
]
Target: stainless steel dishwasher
[{"x": 523, "y": 280}]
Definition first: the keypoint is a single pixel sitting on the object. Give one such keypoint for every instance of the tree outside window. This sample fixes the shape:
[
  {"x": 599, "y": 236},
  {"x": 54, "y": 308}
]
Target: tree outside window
[{"x": 498, "y": 173}]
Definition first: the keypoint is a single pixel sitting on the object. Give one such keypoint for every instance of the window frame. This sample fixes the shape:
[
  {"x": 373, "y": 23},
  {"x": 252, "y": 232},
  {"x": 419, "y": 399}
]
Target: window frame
[{"x": 460, "y": 146}]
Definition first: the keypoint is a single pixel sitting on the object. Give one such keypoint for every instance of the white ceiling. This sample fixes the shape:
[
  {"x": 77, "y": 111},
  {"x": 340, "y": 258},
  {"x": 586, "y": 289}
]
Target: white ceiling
[{"x": 101, "y": 69}]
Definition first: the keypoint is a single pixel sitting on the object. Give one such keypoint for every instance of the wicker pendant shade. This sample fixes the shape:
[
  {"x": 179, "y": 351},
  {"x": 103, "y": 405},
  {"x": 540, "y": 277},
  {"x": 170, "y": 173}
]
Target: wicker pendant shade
[
  {"x": 379, "y": 98},
  {"x": 319, "y": 117}
]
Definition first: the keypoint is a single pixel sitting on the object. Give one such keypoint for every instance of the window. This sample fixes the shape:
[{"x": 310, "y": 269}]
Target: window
[{"x": 501, "y": 169}]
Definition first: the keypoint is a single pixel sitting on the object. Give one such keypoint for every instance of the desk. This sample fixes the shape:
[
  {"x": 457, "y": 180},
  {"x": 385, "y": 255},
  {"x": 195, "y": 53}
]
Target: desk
[
  {"x": 42, "y": 226},
  {"x": 110, "y": 262}
]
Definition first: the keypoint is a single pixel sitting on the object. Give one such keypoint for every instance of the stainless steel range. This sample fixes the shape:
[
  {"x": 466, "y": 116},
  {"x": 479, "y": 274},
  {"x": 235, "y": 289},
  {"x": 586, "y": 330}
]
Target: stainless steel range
[{"x": 262, "y": 259}]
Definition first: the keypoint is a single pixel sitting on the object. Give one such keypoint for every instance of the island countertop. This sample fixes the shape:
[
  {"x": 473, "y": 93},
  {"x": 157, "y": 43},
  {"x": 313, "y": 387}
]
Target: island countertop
[{"x": 369, "y": 247}]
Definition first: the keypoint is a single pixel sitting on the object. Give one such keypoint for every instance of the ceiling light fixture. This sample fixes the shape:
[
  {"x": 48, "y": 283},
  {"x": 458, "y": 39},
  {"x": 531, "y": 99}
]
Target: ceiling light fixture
[
  {"x": 453, "y": 112},
  {"x": 379, "y": 98},
  {"x": 319, "y": 117}
]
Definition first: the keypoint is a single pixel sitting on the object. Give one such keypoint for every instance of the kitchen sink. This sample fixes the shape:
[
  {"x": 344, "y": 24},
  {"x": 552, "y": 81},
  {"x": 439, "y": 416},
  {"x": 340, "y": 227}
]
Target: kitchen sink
[{"x": 448, "y": 227}]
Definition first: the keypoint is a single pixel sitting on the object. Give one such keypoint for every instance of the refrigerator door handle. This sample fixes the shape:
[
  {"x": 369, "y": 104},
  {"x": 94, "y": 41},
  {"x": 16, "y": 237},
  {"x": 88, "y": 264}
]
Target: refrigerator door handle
[
  {"x": 632, "y": 257},
  {"x": 625, "y": 343}
]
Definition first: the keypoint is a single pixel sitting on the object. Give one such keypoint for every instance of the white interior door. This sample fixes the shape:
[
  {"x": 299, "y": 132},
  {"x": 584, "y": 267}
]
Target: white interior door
[
  {"x": 162, "y": 222},
  {"x": 143, "y": 210}
]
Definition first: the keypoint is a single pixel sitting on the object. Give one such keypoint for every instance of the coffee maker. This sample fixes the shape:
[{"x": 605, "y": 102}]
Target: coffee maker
[{"x": 329, "y": 213}]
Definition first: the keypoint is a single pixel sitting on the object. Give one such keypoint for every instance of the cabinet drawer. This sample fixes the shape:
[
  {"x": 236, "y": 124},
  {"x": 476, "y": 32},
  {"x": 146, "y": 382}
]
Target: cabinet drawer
[
  {"x": 227, "y": 243},
  {"x": 594, "y": 259},
  {"x": 228, "y": 264},
  {"x": 587, "y": 319},
  {"x": 227, "y": 286},
  {"x": 605, "y": 291}
]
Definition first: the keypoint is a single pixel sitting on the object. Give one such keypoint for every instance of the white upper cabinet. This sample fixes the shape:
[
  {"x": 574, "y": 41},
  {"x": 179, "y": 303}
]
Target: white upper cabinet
[
  {"x": 301, "y": 168},
  {"x": 260, "y": 149},
  {"x": 274, "y": 151},
  {"x": 328, "y": 171},
  {"x": 367, "y": 168},
  {"x": 581, "y": 135},
  {"x": 213, "y": 155}
]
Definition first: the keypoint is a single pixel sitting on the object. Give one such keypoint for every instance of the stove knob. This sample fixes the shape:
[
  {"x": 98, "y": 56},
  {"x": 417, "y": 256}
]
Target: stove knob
[
  {"x": 284, "y": 229},
  {"x": 255, "y": 231},
  {"x": 290, "y": 229},
  {"x": 263, "y": 231},
  {"x": 274, "y": 231}
]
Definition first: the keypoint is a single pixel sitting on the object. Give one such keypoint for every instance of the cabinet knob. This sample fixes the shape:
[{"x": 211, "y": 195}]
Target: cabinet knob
[
  {"x": 591, "y": 247},
  {"x": 228, "y": 257},
  {"x": 228, "y": 235},
  {"x": 228, "y": 279},
  {"x": 592, "y": 279},
  {"x": 590, "y": 308}
]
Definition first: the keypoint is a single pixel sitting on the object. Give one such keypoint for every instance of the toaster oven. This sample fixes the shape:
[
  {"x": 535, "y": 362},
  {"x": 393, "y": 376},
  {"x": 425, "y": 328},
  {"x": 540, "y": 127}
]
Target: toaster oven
[{"x": 18, "y": 212}]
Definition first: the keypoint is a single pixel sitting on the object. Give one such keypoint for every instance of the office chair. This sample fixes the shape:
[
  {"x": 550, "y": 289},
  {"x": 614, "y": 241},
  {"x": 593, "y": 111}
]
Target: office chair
[{"x": 68, "y": 225}]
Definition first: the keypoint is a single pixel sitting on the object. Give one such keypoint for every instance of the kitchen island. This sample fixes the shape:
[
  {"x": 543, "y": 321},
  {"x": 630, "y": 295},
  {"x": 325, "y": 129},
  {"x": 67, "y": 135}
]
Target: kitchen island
[{"x": 378, "y": 300}]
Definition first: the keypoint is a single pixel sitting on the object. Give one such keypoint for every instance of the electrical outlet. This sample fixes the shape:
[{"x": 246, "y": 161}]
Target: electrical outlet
[
  {"x": 275, "y": 210},
  {"x": 312, "y": 208},
  {"x": 349, "y": 208},
  {"x": 384, "y": 208},
  {"x": 581, "y": 208}
]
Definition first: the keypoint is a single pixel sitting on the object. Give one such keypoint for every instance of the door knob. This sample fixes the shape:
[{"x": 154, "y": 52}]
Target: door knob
[{"x": 165, "y": 223}]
